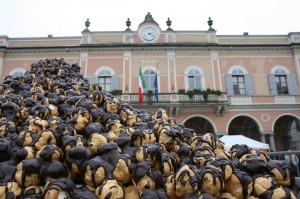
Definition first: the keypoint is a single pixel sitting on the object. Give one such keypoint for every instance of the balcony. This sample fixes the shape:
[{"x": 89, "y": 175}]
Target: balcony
[
  {"x": 179, "y": 102},
  {"x": 174, "y": 98}
]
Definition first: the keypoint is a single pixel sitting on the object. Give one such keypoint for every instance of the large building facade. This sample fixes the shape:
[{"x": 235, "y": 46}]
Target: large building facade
[{"x": 252, "y": 81}]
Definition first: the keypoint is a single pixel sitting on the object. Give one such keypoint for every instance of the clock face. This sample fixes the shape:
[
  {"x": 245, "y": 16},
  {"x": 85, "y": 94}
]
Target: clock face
[{"x": 149, "y": 34}]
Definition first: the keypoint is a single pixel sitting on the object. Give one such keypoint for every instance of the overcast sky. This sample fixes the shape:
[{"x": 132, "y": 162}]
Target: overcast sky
[{"x": 38, "y": 18}]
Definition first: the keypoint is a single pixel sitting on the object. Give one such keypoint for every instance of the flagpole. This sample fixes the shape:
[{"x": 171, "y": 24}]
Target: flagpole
[
  {"x": 141, "y": 86},
  {"x": 156, "y": 85}
]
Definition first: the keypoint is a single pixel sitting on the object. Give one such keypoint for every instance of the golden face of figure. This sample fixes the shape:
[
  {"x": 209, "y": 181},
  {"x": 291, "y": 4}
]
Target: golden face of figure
[
  {"x": 30, "y": 152},
  {"x": 2, "y": 130},
  {"x": 183, "y": 185},
  {"x": 212, "y": 185},
  {"x": 116, "y": 127},
  {"x": 79, "y": 142},
  {"x": 27, "y": 138},
  {"x": 110, "y": 189},
  {"x": 37, "y": 125},
  {"x": 93, "y": 180},
  {"x": 121, "y": 171},
  {"x": 11, "y": 188},
  {"x": 45, "y": 138},
  {"x": 32, "y": 179}
]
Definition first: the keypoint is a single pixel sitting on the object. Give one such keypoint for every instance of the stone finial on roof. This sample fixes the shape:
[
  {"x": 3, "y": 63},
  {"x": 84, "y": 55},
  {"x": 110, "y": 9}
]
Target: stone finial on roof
[
  {"x": 169, "y": 23},
  {"x": 87, "y": 23},
  {"x": 210, "y": 23},
  {"x": 128, "y": 24}
]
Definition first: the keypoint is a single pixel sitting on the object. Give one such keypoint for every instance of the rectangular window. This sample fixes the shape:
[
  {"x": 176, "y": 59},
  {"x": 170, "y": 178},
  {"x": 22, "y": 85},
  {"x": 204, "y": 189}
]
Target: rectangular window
[
  {"x": 191, "y": 82},
  {"x": 194, "y": 82},
  {"x": 281, "y": 84},
  {"x": 105, "y": 82},
  {"x": 149, "y": 82},
  {"x": 238, "y": 82}
]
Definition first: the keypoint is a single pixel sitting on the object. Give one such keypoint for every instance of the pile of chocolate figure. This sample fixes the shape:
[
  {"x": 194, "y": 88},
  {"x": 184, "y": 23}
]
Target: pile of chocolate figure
[{"x": 62, "y": 137}]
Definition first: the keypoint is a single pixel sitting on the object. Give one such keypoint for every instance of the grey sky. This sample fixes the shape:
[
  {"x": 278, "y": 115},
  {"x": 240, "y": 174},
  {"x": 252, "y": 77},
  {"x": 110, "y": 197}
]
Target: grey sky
[{"x": 38, "y": 18}]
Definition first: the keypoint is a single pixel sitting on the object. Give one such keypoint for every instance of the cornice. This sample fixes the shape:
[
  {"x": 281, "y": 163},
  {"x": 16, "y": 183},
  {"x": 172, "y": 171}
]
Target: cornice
[
  {"x": 204, "y": 47},
  {"x": 263, "y": 107}
]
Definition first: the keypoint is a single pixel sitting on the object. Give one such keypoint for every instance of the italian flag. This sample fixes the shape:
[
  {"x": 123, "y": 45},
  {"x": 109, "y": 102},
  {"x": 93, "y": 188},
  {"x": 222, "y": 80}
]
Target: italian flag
[{"x": 141, "y": 86}]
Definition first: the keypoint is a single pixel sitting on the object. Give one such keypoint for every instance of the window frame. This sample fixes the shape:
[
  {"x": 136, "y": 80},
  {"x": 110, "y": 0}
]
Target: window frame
[
  {"x": 114, "y": 79},
  {"x": 241, "y": 85},
  {"x": 149, "y": 78},
  {"x": 239, "y": 71},
  {"x": 201, "y": 76},
  {"x": 290, "y": 81}
]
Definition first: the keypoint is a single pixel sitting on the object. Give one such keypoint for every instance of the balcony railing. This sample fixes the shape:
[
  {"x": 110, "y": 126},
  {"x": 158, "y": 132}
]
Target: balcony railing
[
  {"x": 173, "y": 98},
  {"x": 292, "y": 157}
]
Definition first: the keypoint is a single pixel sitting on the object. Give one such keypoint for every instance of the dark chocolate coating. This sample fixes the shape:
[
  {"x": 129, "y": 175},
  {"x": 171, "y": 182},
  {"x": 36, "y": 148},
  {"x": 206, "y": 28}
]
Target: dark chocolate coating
[
  {"x": 63, "y": 183},
  {"x": 253, "y": 164},
  {"x": 283, "y": 167},
  {"x": 154, "y": 194},
  {"x": 245, "y": 179}
]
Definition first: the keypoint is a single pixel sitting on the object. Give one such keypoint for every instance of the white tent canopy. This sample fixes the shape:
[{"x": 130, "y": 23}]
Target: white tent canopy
[{"x": 230, "y": 140}]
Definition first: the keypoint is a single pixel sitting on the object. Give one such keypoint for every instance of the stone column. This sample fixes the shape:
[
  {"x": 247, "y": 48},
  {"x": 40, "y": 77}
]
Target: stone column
[
  {"x": 262, "y": 137},
  {"x": 3, "y": 42},
  {"x": 272, "y": 142},
  {"x": 1, "y": 64}
]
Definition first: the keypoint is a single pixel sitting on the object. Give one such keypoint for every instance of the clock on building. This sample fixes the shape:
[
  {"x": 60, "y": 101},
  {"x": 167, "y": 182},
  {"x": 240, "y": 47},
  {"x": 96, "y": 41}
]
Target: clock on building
[
  {"x": 149, "y": 33},
  {"x": 149, "y": 30}
]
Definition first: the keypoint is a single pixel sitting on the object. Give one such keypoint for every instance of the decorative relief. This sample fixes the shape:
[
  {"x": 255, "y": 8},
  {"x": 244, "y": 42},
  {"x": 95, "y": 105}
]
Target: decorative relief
[
  {"x": 296, "y": 39},
  {"x": 3, "y": 42},
  {"x": 127, "y": 55},
  {"x": 284, "y": 99},
  {"x": 241, "y": 100},
  {"x": 128, "y": 38},
  {"x": 171, "y": 55},
  {"x": 170, "y": 38},
  {"x": 265, "y": 117},
  {"x": 214, "y": 55},
  {"x": 86, "y": 38}
]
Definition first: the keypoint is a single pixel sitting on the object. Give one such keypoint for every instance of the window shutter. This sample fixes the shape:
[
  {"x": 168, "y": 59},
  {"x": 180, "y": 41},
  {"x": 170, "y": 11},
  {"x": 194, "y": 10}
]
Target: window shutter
[
  {"x": 249, "y": 85},
  {"x": 229, "y": 85},
  {"x": 114, "y": 82},
  {"x": 272, "y": 84},
  {"x": 291, "y": 84},
  {"x": 93, "y": 79}
]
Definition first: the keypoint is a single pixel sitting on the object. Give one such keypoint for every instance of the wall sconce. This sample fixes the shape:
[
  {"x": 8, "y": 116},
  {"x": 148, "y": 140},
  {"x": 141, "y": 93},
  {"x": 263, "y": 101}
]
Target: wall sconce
[
  {"x": 126, "y": 88},
  {"x": 172, "y": 88}
]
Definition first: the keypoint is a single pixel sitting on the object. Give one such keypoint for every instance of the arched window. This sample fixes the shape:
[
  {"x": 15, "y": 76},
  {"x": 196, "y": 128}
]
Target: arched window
[
  {"x": 239, "y": 82},
  {"x": 282, "y": 82},
  {"x": 104, "y": 80},
  {"x": 149, "y": 75},
  {"x": 105, "y": 77},
  {"x": 194, "y": 80}
]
